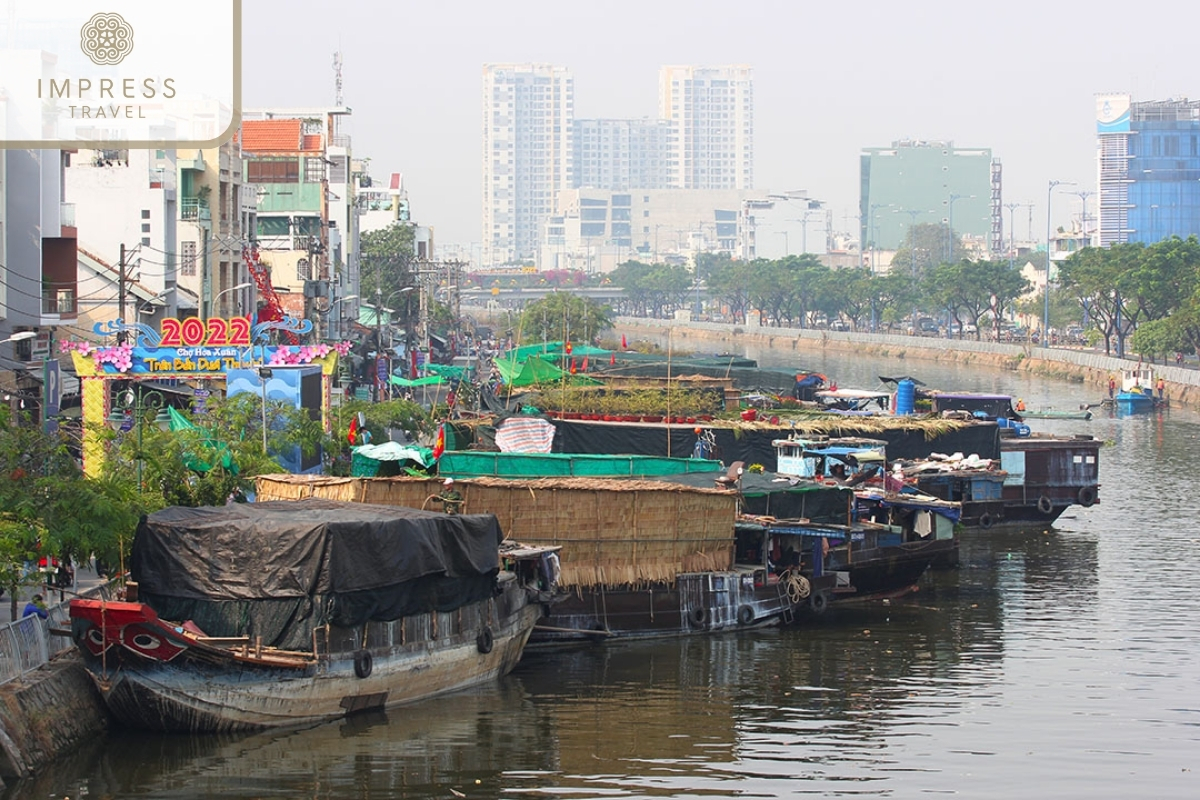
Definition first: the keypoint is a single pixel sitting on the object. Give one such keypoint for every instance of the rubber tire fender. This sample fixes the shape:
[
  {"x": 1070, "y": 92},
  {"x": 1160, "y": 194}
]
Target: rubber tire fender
[
  {"x": 698, "y": 616},
  {"x": 745, "y": 615},
  {"x": 818, "y": 602},
  {"x": 986, "y": 521},
  {"x": 484, "y": 642},
  {"x": 1045, "y": 505},
  {"x": 363, "y": 663},
  {"x": 1087, "y": 496}
]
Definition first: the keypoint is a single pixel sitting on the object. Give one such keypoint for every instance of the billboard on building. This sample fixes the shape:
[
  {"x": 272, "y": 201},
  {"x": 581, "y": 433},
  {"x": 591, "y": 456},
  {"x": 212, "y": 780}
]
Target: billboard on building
[{"x": 1112, "y": 113}]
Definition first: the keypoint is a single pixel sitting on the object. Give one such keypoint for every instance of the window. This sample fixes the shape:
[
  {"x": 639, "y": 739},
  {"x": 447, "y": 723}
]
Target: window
[
  {"x": 145, "y": 227},
  {"x": 187, "y": 258},
  {"x": 302, "y": 269},
  {"x": 314, "y": 170},
  {"x": 273, "y": 170},
  {"x": 273, "y": 226},
  {"x": 145, "y": 241},
  {"x": 145, "y": 213}
]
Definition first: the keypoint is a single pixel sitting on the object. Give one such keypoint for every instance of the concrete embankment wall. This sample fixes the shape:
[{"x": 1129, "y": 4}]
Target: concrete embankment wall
[
  {"x": 45, "y": 715},
  {"x": 1084, "y": 366}
]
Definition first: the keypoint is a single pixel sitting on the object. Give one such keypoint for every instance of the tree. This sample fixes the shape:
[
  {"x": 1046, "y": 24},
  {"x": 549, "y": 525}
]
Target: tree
[
  {"x": 651, "y": 288},
  {"x": 49, "y": 507},
  {"x": 564, "y": 316},
  {"x": 971, "y": 289},
  {"x": 925, "y": 246},
  {"x": 386, "y": 257},
  {"x": 729, "y": 283}
]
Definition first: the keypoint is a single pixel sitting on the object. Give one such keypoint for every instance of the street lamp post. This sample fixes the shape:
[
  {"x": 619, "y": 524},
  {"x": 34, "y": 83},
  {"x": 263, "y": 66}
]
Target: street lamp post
[
  {"x": 1083, "y": 196},
  {"x": 1046, "y": 308},
  {"x": 950, "y": 224},
  {"x": 264, "y": 375},
  {"x": 132, "y": 408},
  {"x": 912, "y": 248},
  {"x": 20, "y": 336},
  {"x": 216, "y": 304},
  {"x": 1012, "y": 234}
]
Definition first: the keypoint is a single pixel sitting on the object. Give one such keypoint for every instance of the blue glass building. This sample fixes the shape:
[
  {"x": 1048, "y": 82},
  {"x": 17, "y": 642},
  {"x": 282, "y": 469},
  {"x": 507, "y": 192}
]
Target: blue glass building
[{"x": 1149, "y": 161}]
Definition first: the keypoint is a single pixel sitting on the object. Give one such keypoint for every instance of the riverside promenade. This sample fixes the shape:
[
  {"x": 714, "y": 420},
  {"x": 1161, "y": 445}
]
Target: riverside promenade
[{"x": 1082, "y": 365}]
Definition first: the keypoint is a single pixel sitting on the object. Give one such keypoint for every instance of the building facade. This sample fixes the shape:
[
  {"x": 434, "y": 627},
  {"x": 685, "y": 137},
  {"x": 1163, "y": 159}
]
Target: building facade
[
  {"x": 711, "y": 114},
  {"x": 620, "y": 153},
  {"x": 927, "y": 182},
  {"x": 1148, "y": 159},
  {"x": 781, "y": 225},
  {"x": 307, "y": 220},
  {"x": 595, "y": 230},
  {"x": 528, "y": 125},
  {"x": 142, "y": 224}
]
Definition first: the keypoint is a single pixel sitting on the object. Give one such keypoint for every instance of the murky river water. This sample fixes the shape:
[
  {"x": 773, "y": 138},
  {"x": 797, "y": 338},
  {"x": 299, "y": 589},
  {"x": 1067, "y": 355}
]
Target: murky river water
[{"x": 1055, "y": 663}]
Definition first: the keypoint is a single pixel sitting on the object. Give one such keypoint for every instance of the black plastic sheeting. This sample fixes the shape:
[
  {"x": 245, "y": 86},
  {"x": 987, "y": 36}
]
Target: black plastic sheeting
[
  {"x": 280, "y": 569},
  {"x": 754, "y": 445}
]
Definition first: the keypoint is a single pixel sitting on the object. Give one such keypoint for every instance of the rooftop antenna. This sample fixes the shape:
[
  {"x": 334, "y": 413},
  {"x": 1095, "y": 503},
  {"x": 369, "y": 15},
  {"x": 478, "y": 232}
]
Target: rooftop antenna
[{"x": 338, "y": 100}]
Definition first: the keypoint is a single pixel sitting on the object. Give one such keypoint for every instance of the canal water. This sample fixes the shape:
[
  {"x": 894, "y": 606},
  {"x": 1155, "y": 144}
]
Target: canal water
[{"x": 1054, "y": 663}]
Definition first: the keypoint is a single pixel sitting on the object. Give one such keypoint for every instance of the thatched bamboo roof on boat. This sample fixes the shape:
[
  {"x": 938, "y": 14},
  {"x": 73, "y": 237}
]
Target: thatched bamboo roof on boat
[{"x": 613, "y": 532}]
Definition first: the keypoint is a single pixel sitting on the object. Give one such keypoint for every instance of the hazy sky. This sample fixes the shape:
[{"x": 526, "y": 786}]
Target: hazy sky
[{"x": 829, "y": 78}]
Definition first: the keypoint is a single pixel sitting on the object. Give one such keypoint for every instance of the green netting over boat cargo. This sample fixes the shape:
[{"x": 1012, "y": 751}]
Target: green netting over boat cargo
[
  {"x": 472, "y": 464},
  {"x": 535, "y": 371}
]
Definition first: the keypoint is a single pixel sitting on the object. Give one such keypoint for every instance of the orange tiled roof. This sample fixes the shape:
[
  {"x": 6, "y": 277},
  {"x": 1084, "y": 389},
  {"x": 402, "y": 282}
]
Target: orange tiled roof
[
  {"x": 271, "y": 136},
  {"x": 312, "y": 143}
]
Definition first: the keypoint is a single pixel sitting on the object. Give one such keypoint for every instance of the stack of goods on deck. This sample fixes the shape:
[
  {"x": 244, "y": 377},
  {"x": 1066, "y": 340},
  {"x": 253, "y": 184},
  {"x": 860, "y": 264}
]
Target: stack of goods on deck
[
  {"x": 752, "y": 442},
  {"x": 612, "y": 532}
]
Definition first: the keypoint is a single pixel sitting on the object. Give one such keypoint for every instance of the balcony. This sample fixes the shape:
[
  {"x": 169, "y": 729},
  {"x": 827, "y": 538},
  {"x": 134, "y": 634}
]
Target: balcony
[{"x": 194, "y": 209}]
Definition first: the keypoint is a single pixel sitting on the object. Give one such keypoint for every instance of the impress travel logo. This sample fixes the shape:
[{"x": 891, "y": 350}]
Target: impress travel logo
[
  {"x": 129, "y": 73},
  {"x": 107, "y": 39}
]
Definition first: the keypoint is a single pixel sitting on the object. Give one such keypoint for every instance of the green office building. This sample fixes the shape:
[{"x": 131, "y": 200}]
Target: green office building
[{"x": 915, "y": 183}]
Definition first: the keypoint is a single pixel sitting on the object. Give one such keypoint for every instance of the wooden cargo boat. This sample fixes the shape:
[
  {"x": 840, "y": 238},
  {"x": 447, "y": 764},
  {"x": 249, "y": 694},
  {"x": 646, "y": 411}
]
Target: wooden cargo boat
[
  {"x": 641, "y": 558},
  {"x": 289, "y": 613}
]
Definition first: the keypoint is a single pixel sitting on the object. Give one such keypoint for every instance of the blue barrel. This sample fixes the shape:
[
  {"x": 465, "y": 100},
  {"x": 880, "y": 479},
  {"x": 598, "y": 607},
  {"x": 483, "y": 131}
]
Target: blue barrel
[{"x": 906, "y": 392}]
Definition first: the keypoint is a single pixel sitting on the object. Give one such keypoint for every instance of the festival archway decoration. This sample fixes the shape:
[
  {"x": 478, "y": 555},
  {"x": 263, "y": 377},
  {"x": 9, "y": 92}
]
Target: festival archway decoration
[{"x": 186, "y": 350}]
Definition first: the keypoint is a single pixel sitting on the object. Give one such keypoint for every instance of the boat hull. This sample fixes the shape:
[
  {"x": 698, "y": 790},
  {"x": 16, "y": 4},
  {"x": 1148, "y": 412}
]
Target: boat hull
[
  {"x": 701, "y": 602},
  {"x": 896, "y": 570},
  {"x": 199, "y": 691}
]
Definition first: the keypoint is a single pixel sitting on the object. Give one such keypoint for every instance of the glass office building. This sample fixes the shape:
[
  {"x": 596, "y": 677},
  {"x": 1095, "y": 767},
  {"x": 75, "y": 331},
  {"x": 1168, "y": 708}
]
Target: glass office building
[{"x": 1149, "y": 164}]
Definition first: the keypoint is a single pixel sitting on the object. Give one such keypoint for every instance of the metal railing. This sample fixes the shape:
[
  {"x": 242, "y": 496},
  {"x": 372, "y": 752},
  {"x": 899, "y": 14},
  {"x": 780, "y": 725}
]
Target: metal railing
[
  {"x": 28, "y": 643},
  {"x": 194, "y": 208}
]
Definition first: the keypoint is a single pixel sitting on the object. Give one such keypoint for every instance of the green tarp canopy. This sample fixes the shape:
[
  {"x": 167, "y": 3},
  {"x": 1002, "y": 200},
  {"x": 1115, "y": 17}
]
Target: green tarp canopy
[
  {"x": 428, "y": 380},
  {"x": 534, "y": 371},
  {"x": 448, "y": 371},
  {"x": 477, "y": 464},
  {"x": 220, "y": 454},
  {"x": 367, "y": 316},
  {"x": 555, "y": 351}
]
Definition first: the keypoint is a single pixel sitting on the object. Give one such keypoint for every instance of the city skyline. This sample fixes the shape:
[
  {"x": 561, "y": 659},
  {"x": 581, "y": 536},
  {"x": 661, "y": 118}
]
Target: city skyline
[{"x": 828, "y": 82}]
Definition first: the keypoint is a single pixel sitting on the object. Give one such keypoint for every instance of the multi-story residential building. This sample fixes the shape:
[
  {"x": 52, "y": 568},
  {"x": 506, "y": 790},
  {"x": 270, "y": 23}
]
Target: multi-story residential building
[
  {"x": 620, "y": 153},
  {"x": 307, "y": 222},
  {"x": 38, "y": 254},
  {"x": 127, "y": 208},
  {"x": 781, "y": 225},
  {"x": 528, "y": 116},
  {"x": 918, "y": 182},
  {"x": 711, "y": 111},
  {"x": 595, "y": 230},
  {"x": 217, "y": 212},
  {"x": 1149, "y": 168}
]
